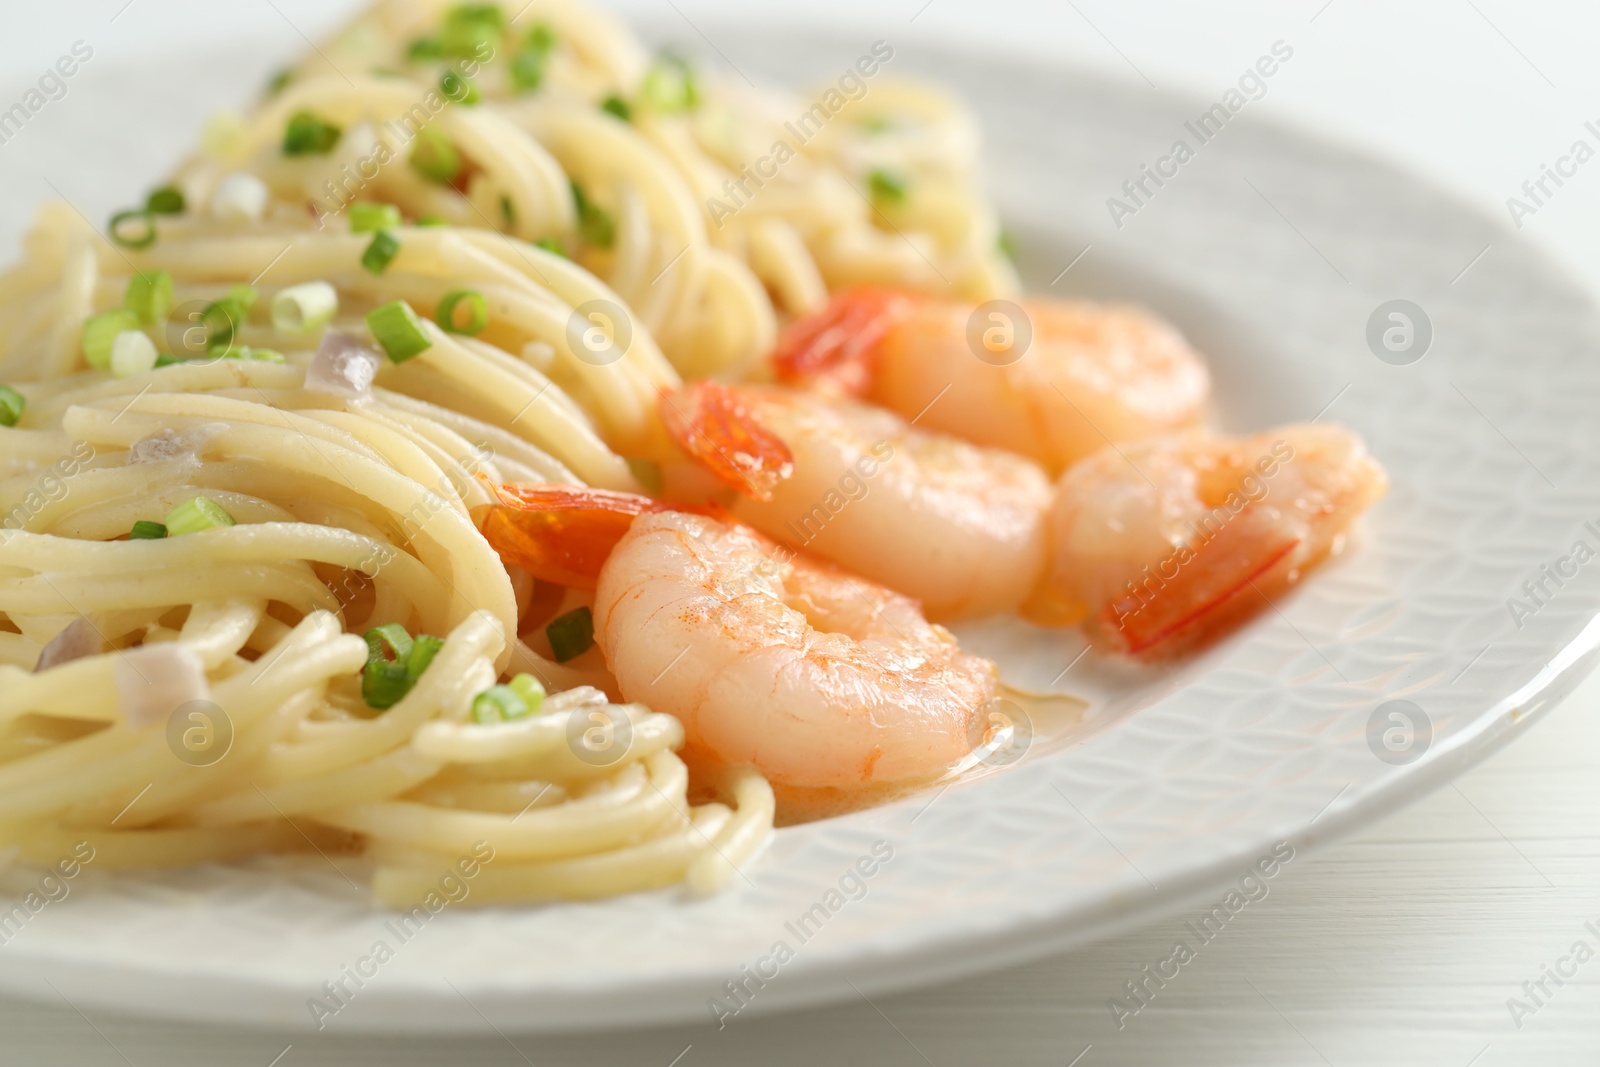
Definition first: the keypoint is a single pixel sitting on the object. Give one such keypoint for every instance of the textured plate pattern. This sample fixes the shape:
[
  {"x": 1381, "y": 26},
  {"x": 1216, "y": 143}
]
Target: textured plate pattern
[{"x": 1271, "y": 251}]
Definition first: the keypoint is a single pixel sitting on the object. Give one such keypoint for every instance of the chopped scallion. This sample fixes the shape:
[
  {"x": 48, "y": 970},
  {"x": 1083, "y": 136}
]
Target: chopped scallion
[
  {"x": 167, "y": 359},
  {"x": 528, "y": 688},
  {"x": 132, "y": 352},
  {"x": 367, "y": 217},
  {"x": 425, "y": 48},
  {"x": 167, "y": 200},
  {"x": 459, "y": 90},
  {"x": 149, "y": 296},
  {"x": 434, "y": 157},
  {"x": 647, "y": 473},
  {"x": 469, "y": 27},
  {"x": 670, "y": 86},
  {"x": 594, "y": 221},
  {"x": 308, "y": 135},
  {"x": 195, "y": 516},
  {"x": 433, "y": 221},
  {"x": 394, "y": 663},
  {"x": 887, "y": 188},
  {"x": 100, "y": 333},
  {"x": 571, "y": 635},
  {"x": 552, "y": 245},
  {"x": 399, "y": 331},
  {"x": 305, "y": 307},
  {"x": 1007, "y": 246},
  {"x": 527, "y": 70},
  {"x": 279, "y": 81},
  {"x": 390, "y": 641},
  {"x": 133, "y": 229},
  {"x": 615, "y": 105},
  {"x": 384, "y": 684},
  {"x": 541, "y": 38},
  {"x": 147, "y": 531},
  {"x": 500, "y": 703},
  {"x": 423, "y": 651},
  {"x": 222, "y": 318},
  {"x": 12, "y": 404},
  {"x": 477, "y": 311},
  {"x": 380, "y": 252}
]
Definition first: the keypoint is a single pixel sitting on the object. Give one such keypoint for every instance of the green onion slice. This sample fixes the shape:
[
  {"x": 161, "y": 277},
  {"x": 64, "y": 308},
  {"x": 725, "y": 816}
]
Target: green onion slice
[
  {"x": 222, "y": 318},
  {"x": 887, "y": 187},
  {"x": 384, "y": 247},
  {"x": 305, "y": 307},
  {"x": 394, "y": 663},
  {"x": 399, "y": 331},
  {"x": 425, "y": 48},
  {"x": 527, "y": 70},
  {"x": 100, "y": 333},
  {"x": 467, "y": 27},
  {"x": 648, "y": 474},
  {"x": 388, "y": 642},
  {"x": 167, "y": 200},
  {"x": 615, "y": 105},
  {"x": 571, "y": 635},
  {"x": 423, "y": 651},
  {"x": 477, "y": 311},
  {"x": 552, "y": 245},
  {"x": 500, "y": 703},
  {"x": 670, "y": 86},
  {"x": 368, "y": 217},
  {"x": 149, "y": 296},
  {"x": 434, "y": 157},
  {"x": 140, "y": 235},
  {"x": 530, "y": 690},
  {"x": 594, "y": 222},
  {"x": 147, "y": 531},
  {"x": 1007, "y": 245},
  {"x": 308, "y": 135},
  {"x": 459, "y": 90},
  {"x": 12, "y": 404},
  {"x": 541, "y": 38},
  {"x": 384, "y": 684},
  {"x": 197, "y": 515}
]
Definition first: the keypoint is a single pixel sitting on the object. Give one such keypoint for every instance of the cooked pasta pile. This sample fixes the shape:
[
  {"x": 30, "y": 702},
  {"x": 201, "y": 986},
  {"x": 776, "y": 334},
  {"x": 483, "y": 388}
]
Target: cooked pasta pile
[{"x": 244, "y": 603}]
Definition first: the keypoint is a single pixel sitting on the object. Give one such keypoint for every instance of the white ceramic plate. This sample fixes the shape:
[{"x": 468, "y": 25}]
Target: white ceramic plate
[{"x": 1272, "y": 251}]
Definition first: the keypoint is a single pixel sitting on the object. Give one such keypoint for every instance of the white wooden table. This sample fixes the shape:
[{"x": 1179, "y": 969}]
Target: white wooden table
[{"x": 1400, "y": 946}]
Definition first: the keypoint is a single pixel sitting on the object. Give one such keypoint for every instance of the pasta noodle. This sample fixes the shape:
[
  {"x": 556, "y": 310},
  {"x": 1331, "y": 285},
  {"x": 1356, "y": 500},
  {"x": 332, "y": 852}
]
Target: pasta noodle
[{"x": 608, "y": 260}]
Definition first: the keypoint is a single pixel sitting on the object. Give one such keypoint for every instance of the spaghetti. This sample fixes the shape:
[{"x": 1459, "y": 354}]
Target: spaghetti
[{"x": 245, "y": 432}]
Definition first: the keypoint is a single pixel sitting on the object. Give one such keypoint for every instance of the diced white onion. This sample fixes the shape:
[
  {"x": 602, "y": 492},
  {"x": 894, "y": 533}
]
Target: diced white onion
[
  {"x": 154, "y": 681},
  {"x": 240, "y": 198},
  {"x": 77, "y": 640},
  {"x": 303, "y": 308},
  {"x": 343, "y": 365},
  {"x": 132, "y": 353}
]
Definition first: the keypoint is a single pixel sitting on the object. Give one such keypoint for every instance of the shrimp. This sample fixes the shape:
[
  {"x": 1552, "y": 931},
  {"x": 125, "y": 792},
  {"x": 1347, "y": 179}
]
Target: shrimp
[
  {"x": 1056, "y": 384},
  {"x": 832, "y": 687},
  {"x": 959, "y": 528},
  {"x": 1164, "y": 546}
]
